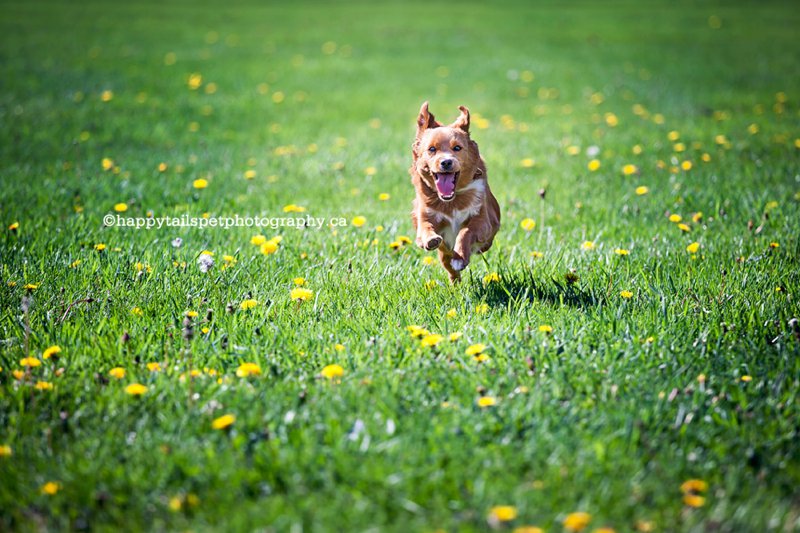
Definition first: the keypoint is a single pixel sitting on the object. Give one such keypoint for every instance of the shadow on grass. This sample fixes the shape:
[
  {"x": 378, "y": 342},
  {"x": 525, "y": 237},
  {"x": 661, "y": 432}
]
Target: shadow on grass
[{"x": 525, "y": 286}]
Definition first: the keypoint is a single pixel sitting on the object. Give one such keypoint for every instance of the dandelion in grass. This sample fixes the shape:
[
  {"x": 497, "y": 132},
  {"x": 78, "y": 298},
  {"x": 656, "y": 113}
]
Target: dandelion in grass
[
  {"x": 588, "y": 245},
  {"x": 746, "y": 378},
  {"x": 593, "y": 165},
  {"x": 528, "y": 224},
  {"x": 117, "y": 372},
  {"x": 332, "y": 371},
  {"x": 417, "y": 331},
  {"x": 431, "y": 284},
  {"x": 774, "y": 245},
  {"x": 451, "y": 313},
  {"x": 404, "y": 239},
  {"x": 269, "y": 247},
  {"x": 200, "y": 183},
  {"x": 248, "y": 304},
  {"x": 482, "y": 309},
  {"x": 154, "y": 367},
  {"x": 223, "y": 422},
  {"x": 528, "y": 529},
  {"x": 692, "y": 248},
  {"x": 246, "y": 370},
  {"x": 537, "y": 255},
  {"x": 432, "y": 339},
  {"x": 51, "y": 488},
  {"x": 100, "y": 246},
  {"x": 300, "y": 294},
  {"x": 642, "y": 190},
  {"x": 258, "y": 240},
  {"x": 30, "y": 362},
  {"x": 107, "y": 163},
  {"x": 622, "y": 251},
  {"x": 428, "y": 260},
  {"x": 384, "y": 196},
  {"x": 293, "y": 208},
  {"x": 6, "y": 451},
  {"x": 503, "y": 513},
  {"x": 135, "y": 389},
  {"x": 475, "y": 349},
  {"x": 545, "y": 328},
  {"x": 30, "y": 286},
  {"x": 339, "y": 347},
  {"x": 492, "y": 277},
  {"x": 626, "y": 294},
  {"x": 694, "y": 500},
  {"x": 629, "y": 169},
  {"x": 527, "y": 163},
  {"x": 120, "y": 207},
  {"x": 358, "y": 221},
  {"x": 674, "y": 217},
  {"x": 684, "y": 227},
  {"x": 395, "y": 245},
  {"x": 455, "y": 336},
  {"x": 249, "y": 174},
  {"x": 486, "y": 401},
  {"x": 52, "y": 351},
  {"x": 577, "y": 521},
  {"x": 299, "y": 281}
]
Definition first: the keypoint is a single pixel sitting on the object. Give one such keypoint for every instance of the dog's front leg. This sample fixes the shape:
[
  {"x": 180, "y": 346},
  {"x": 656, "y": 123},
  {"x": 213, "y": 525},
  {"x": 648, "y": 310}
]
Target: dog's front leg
[
  {"x": 427, "y": 238},
  {"x": 462, "y": 250}
]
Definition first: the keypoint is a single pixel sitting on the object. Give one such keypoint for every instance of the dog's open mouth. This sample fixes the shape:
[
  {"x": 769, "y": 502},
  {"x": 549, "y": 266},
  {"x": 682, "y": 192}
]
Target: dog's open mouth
[{"x": 446, "y": 184}]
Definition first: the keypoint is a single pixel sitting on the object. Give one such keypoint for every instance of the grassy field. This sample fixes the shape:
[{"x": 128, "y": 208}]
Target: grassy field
[{"x": 633, "y": 350}]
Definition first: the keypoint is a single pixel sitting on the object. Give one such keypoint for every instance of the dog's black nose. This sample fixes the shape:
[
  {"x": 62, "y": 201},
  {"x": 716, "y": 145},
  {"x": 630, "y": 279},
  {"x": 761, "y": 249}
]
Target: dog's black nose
[{"x": 447, "y": 164}]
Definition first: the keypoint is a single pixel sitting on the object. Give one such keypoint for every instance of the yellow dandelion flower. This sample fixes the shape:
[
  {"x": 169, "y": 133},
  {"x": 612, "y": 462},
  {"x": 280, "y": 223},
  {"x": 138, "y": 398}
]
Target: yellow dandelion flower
[
  {"x": 544, "y": 328},
  {"x": 384, "y": 196},
  {"x": 339, "y": 347},
  {"x": 117, "y": 372},
  {"x": 694, "y": 485},
  {"x": 527, "y": 224},
  {"x": 431, "y": 339},
  {"x": 503, "y": 513},
  {"x": 675, "y": 218},
  {"x": 642, "y": 190},
  {"x": 191, "y": 314},
  {"x": 30, "y": 362},
  {"x": 300, "y": 295},
  {"x": 482, "y": 309},
  {"x": 18, "y": 374},
  {"x": 752, "y": 129},
  {"x": 428, "y": 260},
  {"x": 537, "y": 255},
  {"x": 175, "y": 504},
  {"x": 395, "y": 245},
  {"x": 475, "y": 349},
  {"x": 487, "y": 401},
  {"x": 154, "y": 367},
  {"x": 746, "y": 378},
  {"x": 588, "y": 245},
  {"x": 294, "y": 208},
  {"x": 673, "y": 136},
  {"x": 332, "y": 371},
  {"x": 370, "y": 171},
  {"x": 248, "y": 304},
  {"x": 417, "y": 331},
  {"x": 299, "y": 281},
  {"x": 774, "y": 245},
  {"x": 249, "y": 174},
  {"x": 43, "y": 385},
  {"x": 626, "y": 294},
  {"x": 135, "y": 389},
  {"x": 629, "y": 169},
  {"x": 248, "y": 369},
  {"x": 258, "y": 240},
  {"x": 527, "y": 163},
  {"x": 51, "y": 351},
  {"x": 528, "y": 529},
  {"x": 451, "y": 313},
  {"x": 491, "y": 277},
  {"x": 573, "y": 150},
  {"x": 162, "y": 167},
  {"x": 431, "y": 284},
  {"x": 120, "y": 207},
  {"x": 99, "y": 246},
  {"x": 684, "y": 227},
  {"x": 200, "y": 183},
  {"x": 269, "y": 247},
  {"x": 107, "y": 163},
  {"x": 621, "y": 251},
  {"x": 692, "y": 248},
  {"x": 686, "y": 165},
  {"x": 51, "y": 488},
  {"x": 5, "y": 450},
  {"x": 679, "y": 147},
  {"x": 455, "y": 336},
  {"x": 358, "y": 221},
  {"x": 577, "y": 521},
  {"x": 137, "y": 311},
  {"x": 593, "y": 165},
  {"x": 223, "y": 422}
]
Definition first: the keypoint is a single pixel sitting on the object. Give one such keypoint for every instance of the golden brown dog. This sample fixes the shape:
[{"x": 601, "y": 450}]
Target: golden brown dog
[{"x": 454, "y": 210}]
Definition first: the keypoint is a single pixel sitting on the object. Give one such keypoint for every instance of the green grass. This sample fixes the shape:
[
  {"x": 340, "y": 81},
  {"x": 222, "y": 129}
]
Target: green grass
[{"x": 609, "y": 414}]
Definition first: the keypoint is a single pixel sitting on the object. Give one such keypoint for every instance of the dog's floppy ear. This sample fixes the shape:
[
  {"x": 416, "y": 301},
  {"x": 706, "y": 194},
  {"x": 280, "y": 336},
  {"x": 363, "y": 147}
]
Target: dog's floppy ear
[
  {"x": 462, "y": 122},
  {"x": 426, "y": 120}
]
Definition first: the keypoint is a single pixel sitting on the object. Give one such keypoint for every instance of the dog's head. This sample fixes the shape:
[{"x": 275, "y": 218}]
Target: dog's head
[{"x": 444, "y": 156}]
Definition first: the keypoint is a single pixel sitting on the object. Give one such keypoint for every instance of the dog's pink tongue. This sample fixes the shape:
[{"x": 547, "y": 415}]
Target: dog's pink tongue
[{"x": 446, "y": 183}]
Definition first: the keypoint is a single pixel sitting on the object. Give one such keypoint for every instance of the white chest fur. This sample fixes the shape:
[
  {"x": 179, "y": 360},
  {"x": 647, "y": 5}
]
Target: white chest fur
[{"x": 454, "y": 221}]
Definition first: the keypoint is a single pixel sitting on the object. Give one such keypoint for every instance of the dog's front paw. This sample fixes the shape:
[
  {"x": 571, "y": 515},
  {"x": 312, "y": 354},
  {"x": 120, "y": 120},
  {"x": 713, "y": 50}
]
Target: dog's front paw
[
  {"x": 458, "y": 264},
  {"x": 429, "y": 242}
]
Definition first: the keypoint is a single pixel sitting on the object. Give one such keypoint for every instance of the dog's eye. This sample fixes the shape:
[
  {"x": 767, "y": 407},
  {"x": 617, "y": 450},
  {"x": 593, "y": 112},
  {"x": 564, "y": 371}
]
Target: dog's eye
[
  {"x": 456, "y": 148},
  {"x": 432, "y": 149}
]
